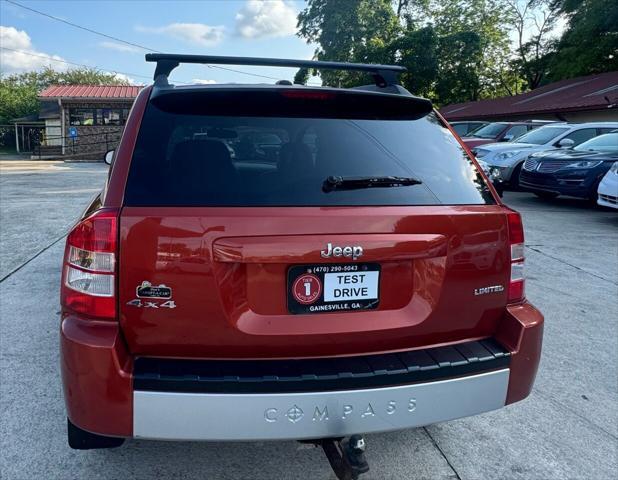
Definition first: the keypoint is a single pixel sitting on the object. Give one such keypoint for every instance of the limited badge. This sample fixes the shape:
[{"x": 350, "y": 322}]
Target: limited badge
[
  {"x": 148, "y": 290},
  {"x": 307, "y": 288}
]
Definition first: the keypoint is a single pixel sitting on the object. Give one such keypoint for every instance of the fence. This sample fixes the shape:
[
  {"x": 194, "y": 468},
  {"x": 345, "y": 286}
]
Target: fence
[
  {"x": 33, "y": 140},
  {"x": 96, "y": 143},
  {"x": 23, "y": 137}
]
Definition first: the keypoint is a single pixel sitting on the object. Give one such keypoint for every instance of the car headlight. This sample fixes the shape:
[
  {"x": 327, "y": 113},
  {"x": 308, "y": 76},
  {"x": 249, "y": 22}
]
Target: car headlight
[
  {"x": 491, "y": 171},
  {"x": 501, "y": 157},
  {"x": 583, "y": 164},
  {"x": 495, "y": 173},
  {"x": 483, "y": 165},
  {"x": 614, "y": 168}
]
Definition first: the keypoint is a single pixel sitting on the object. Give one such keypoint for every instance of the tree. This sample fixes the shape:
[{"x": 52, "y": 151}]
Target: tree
[
  {"x": 302, "y": 76},
  {"x": 534, "y": 22},
  {"x": 19, "y": 92},
  {"x": 450, "y": 47},
  {"x": 458, "y": 78},
  {"x": 461, "y": 50},
  {"x": 351, "y": 30},
  {"x": 417, "y": 51},
  {"x": 590, "y": 42},
  {"x": 481, "y": 22}
]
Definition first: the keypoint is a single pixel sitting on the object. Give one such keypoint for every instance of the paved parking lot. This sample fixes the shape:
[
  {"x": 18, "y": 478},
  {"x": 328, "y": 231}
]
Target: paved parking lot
[{"x": 567, "y": 428}]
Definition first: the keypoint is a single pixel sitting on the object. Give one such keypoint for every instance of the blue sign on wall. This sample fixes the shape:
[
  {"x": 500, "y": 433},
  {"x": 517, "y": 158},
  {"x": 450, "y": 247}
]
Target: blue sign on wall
[{"x": 73, "y": 132}]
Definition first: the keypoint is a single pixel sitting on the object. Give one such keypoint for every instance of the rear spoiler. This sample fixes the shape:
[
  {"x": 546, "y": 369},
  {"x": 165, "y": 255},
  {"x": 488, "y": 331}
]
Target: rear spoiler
[{"x": 383, "y": 75}]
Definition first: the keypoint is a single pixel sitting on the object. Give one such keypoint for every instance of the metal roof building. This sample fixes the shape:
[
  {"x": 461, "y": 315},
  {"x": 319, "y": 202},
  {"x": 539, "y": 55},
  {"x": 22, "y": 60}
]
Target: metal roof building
[
  {"x": 583, "y": 99},
  {"x": 91, "y": 92},
  {"x": 84, "y": 120}
]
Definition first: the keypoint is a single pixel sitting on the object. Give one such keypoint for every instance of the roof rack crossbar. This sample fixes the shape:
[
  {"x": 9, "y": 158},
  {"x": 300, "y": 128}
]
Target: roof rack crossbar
[{"x": 383, "y": 75}]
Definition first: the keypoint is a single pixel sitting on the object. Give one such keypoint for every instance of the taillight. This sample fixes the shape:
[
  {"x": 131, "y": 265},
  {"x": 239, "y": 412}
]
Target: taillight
[
  {"x": 516, "y": 240},
  {"x": 88, "y": 279}
]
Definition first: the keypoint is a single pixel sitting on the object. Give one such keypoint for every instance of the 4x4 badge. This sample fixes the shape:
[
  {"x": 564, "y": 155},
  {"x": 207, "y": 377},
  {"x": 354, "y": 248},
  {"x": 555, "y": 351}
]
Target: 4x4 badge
[{"x": 147, "y": 290}]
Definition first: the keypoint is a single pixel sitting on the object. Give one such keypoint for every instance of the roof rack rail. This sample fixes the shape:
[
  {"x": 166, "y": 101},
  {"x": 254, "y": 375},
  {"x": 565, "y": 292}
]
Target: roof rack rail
[{"x": 383, "y": 75}]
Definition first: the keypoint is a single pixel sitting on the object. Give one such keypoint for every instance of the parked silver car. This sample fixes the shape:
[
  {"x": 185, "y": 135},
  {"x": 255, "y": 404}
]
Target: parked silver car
[{"x": 507, "y": 158}]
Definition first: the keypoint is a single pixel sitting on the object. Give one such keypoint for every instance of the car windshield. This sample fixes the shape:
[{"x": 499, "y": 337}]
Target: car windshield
[
  {"x": 489, "y": 131},
  {"x": 602, "y": 143},
  {"x": 541, "y": 136}
]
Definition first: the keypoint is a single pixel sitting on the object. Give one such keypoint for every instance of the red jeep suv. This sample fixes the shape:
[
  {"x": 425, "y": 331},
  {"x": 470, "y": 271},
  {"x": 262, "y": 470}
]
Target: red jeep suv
[{"x": 290, "y": 262}]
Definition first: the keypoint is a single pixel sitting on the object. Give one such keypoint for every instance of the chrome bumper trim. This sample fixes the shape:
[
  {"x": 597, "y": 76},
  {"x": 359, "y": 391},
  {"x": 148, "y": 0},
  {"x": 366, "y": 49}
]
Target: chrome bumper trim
[{"x": 279, "y": 416}]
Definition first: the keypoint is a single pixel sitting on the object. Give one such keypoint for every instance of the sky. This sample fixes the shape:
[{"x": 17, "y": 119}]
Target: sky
[{"x": 211, "y": 27}]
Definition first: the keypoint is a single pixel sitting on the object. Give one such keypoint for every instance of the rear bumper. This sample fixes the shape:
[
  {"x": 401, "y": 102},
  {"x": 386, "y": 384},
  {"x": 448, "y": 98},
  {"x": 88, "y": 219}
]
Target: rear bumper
[
  {"x": 198, "y": 416},
  {"x": 109, "y": 393}
]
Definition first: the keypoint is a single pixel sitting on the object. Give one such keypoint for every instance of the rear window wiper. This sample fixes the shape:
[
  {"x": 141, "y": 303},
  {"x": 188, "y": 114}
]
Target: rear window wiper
[{"x": 351, "y": 183}]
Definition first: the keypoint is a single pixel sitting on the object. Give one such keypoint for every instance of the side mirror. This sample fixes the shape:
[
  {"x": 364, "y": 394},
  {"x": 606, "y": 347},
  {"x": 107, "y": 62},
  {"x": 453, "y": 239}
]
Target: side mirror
[
  {"x": 507, "y": 138},
  {"x": 109, "y": 156},
  {"x": 566, "y": 143}
]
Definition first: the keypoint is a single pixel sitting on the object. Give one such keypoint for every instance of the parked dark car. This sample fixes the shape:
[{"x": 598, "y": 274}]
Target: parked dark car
[
  {"x": 575, "y": 172},
  {"x": 465, "y": 128},
  {"x": 500, "y": 132}
]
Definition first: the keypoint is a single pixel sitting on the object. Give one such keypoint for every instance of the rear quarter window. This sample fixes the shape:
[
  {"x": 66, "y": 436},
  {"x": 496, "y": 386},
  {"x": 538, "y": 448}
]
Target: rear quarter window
[{"x": 216, "y": 160}]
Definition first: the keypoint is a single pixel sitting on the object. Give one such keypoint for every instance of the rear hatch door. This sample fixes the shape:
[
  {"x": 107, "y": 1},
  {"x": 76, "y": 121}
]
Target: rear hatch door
[{"x": 233, "y": 245}]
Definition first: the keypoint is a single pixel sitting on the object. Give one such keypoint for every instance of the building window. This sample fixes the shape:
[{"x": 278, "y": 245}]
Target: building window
[
  {"x": 98, "y": 116},
  {"x": 82, "y": 116},
  {"x": 111, "y": 116}
]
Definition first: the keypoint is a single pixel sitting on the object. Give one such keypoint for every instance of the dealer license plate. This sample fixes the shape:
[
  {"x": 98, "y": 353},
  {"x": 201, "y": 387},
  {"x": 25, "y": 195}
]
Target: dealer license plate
[{"x": 328, "y": 288}]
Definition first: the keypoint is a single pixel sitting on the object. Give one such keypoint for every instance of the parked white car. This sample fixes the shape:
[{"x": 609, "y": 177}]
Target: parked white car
[
  {"x": 608, "y": 188},
  {"x": 508, "y": 157}
]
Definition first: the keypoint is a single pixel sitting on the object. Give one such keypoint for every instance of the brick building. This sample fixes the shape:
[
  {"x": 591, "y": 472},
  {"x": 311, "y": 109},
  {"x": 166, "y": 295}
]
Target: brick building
[{"x": 84, "y": 120}]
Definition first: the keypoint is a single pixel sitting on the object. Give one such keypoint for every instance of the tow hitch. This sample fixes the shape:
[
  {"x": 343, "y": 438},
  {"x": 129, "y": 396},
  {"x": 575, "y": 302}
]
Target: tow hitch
[{"x": 348, "y": 459}]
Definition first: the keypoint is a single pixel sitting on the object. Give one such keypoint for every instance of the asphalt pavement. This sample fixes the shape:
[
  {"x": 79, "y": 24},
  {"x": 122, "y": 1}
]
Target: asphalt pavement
[{"x": 567, "y": 428}]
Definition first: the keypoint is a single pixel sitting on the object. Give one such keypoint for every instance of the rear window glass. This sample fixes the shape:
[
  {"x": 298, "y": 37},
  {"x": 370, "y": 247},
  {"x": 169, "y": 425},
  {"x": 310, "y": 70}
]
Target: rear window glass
[{"x": 200, "y": 160}]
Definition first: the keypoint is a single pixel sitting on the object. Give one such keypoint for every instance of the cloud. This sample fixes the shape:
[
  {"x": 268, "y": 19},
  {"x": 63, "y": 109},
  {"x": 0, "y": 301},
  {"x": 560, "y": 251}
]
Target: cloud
[
  {"x": 272, "y": 18},
  {"x": 203, "y": 81},
  {"x": 126, "y": 78},
  {"x": 27, "y": 58},
  {"x": 119, "y": 47},
  {"x": 196, "y": 33}
]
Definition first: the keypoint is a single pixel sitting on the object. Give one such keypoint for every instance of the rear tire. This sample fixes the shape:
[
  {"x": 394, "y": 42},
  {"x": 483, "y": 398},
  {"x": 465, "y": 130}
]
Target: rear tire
[
  {"x": 82, "y": 440},
  {"x": 546, "y": 195}
]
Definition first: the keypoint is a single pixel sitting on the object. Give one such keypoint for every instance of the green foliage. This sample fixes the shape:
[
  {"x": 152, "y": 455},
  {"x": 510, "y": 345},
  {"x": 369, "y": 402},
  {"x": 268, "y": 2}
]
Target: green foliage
[
  {"x": 460, "y": 55},
  {"x": 590, "y": 42},
  {"x": 302, "y": 76},
  {"x": 18, "y": 93},
  {"x": 17, "y": 100},
  {"x": 417, "y": 51},
  {"x": 351, "y": 30},
  {"x": 533, "y": 23},
  {"x": 450, "y": 47},
  {"x": 461, "y": 50}
]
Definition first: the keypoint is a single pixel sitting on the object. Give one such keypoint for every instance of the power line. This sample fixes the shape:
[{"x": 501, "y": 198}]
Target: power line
[
  {"x": 126, "y": 42},
  {"x": 51, "y": 59},
  {"x": 79, "y": 26}
]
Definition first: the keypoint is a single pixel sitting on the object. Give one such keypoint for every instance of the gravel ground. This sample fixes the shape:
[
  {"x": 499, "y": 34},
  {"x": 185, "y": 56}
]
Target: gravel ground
[{"x": 567, "y": 428}]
